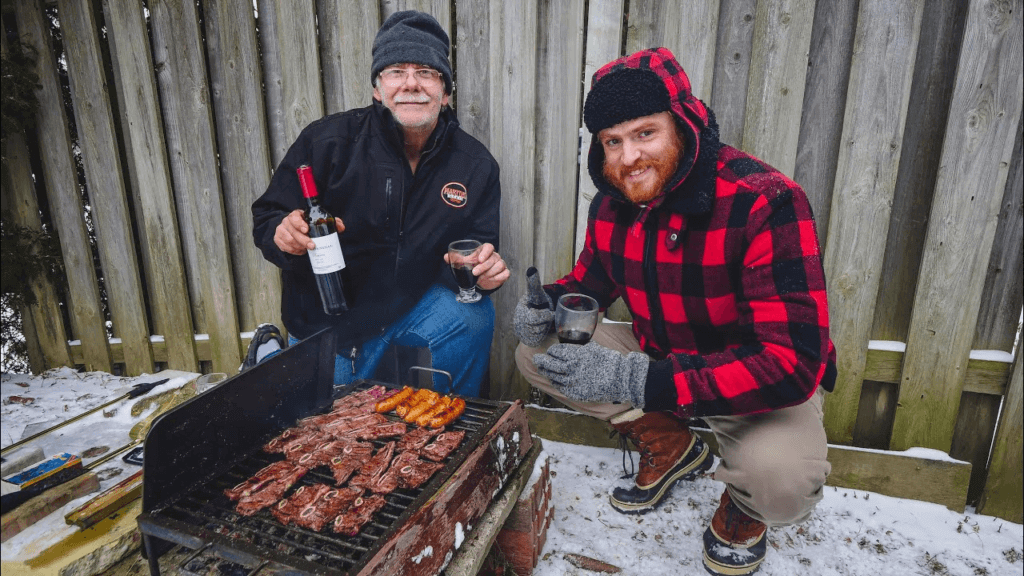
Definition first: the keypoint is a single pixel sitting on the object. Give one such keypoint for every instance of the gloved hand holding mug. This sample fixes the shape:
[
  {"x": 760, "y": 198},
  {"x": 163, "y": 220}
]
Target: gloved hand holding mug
[{"x": 593, "y": 373}]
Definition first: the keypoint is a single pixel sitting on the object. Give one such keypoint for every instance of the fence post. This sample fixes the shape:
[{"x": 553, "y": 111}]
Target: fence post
[{"x": 1002, "y": 493}]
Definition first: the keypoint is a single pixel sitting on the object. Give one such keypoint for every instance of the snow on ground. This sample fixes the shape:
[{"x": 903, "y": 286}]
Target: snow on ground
[{"x": 852, "y": 533}]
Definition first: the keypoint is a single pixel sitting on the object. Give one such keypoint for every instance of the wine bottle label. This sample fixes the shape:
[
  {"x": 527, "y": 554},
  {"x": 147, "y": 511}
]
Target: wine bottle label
[{"x": 327, "y": 256}]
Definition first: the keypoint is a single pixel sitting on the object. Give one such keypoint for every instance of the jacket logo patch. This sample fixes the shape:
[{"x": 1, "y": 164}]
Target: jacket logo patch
[{"x": 454, "y": 194}]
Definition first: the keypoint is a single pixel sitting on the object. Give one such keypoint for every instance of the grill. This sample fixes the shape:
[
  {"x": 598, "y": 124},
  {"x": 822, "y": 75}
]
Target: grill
[{"x": 196, "y": 451}]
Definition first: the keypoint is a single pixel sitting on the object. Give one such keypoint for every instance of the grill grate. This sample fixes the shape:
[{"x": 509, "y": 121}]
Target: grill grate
[{"x": 203, "y": 516}]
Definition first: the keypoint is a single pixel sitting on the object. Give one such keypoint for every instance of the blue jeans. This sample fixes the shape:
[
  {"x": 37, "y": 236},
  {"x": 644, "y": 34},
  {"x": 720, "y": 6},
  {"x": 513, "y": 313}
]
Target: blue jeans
[{"x": 457, "y": 335}]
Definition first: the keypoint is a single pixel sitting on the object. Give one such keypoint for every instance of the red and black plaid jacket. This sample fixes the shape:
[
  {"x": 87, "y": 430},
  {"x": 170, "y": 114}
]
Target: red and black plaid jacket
[{"x": 722, "y": 273}]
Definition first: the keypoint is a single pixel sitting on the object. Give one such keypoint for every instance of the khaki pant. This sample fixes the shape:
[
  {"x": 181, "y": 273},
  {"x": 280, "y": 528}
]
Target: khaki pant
[{"x": 773, "y": 464}]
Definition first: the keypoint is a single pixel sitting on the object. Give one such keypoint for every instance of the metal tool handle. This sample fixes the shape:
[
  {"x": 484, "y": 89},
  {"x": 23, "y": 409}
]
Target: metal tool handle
[{"x": 451, "y": 381}]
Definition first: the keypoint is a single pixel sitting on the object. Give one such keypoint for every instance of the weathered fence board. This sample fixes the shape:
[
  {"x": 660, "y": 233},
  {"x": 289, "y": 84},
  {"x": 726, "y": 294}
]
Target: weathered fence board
[
  {"x": 42, "y": 324},
  {"x": 560, "y": 46},
  {"x": 604, "y": 44},
  {"x": 346, "y": 28},
  {"x": 687, "y": 28},
  {"x": 472, "y": 60},
  {"x": 775, "y": 93},
  {"x": 876, "y": 109},
  {"x": 240, "y": 118},
  {"x": 181, "y": 73},
  {"x": 825, "y": 93},
  {"x": 103, "y": 174},
  {"x": 441, "y": 10},
  {"x": 732, "y": 67},
  {"x": 1002, "y": 494},
  {"x": 142, "y": 130},
  {"x": 291, "y": 70},
  {"x": 513, "y": 30},
  {"x": 934, "y": 76},
  {"x": 983, "y": 118},
  {"x": 59, "y": 177}
]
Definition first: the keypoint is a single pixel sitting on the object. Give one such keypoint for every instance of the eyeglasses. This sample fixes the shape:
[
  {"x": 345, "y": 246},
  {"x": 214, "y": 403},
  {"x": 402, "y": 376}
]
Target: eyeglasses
[{"x": 395, "y": 76}]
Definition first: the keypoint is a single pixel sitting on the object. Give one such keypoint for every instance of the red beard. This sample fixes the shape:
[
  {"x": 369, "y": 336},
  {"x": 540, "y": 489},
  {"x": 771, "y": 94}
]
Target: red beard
[{"x": 664, "y": 166}]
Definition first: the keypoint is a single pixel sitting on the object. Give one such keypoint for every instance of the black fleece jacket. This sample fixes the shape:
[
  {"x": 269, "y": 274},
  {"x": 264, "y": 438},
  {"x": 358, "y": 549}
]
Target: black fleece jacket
[{"x": 397, "y": 225}]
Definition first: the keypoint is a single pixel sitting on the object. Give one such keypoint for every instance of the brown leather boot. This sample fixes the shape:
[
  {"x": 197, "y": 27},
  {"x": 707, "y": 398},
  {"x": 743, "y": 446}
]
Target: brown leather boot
[
  {"x": 668, "y": 452},
  {"x": 734, "y": 543}
]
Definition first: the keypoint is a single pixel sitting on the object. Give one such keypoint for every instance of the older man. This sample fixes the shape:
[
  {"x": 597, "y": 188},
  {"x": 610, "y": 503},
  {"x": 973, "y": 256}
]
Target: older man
[
  {"x": 387, "y": 173},
  {"x": 715, "y": 254}
]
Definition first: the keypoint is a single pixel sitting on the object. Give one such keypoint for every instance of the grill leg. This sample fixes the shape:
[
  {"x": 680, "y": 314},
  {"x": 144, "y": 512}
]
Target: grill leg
[{"x": 151, "y": 555}]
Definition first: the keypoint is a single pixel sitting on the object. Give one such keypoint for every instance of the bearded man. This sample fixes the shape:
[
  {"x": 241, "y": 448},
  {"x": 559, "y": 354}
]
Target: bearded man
[
  {"x": 715, "y": 255},
  {"x": 403, "y": 180}
]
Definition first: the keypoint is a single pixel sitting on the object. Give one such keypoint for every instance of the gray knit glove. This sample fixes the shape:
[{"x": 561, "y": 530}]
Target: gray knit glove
[
  {"x": 593, "y": 373},
  {"x": 534, "y": 317}
]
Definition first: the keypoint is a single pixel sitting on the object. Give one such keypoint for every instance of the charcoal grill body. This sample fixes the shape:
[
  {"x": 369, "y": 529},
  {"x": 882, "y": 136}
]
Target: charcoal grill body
[{"x": 214, "y": 441}]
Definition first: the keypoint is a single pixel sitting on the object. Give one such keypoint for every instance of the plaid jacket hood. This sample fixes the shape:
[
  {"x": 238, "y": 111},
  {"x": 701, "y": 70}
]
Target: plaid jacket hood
[{"x": 722, "y": 273}]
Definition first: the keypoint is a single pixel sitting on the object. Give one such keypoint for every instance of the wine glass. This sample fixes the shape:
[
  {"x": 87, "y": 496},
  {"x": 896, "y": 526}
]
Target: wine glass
[
  {"x": 464, "y": 255},
  {"x": 575, "y": 318}
]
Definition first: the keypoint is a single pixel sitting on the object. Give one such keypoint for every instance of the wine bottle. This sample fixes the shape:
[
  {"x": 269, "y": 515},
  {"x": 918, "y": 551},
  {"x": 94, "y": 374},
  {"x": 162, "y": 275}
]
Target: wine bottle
[{"x": 326, "y": 258}]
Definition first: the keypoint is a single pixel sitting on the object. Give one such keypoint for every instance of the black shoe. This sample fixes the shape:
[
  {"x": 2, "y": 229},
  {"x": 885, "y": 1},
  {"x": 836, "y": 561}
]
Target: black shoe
[
  {"x": 264, "y": 333},
  {"x": 692, "y": 463},
  {"x": 734, "y": 544}
]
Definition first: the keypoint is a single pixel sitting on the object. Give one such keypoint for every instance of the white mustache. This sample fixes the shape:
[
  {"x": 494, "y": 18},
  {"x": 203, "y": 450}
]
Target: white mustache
[{"x": 410, "y": 99}]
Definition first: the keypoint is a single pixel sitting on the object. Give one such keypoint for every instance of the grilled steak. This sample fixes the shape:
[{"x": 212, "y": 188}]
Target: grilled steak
[
  {"x": 410, "y": 471},
  {"x": 417, "y": 438},
  {"x": 270, "y": 493},
  {"x": 346, "y": 428},
  {"x": 259, "y": 480},
  {"x": 367, "y": 397},
  {"x": 375, "y": 467},
  {"x": 327, "y": 507},
  {"x": 322, "y": 454},
  {"x": 442, "y": 445},
  {"x": 286, "y": 510},
  {"x": 350, "y": 521},
  {"x": 353, "y": 456},
  {"x": 383, "y": 430}
]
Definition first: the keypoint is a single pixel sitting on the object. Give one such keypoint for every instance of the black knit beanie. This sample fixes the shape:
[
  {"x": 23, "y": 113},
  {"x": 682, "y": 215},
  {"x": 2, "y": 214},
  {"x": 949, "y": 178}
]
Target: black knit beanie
[
  {"x": 624, "y": 95},
  {"x": 414, "y": 37}
]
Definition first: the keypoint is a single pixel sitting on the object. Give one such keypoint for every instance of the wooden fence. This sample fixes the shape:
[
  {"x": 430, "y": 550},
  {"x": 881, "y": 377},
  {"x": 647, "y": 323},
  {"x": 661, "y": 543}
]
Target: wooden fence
[{"x": 900, "y": 118}]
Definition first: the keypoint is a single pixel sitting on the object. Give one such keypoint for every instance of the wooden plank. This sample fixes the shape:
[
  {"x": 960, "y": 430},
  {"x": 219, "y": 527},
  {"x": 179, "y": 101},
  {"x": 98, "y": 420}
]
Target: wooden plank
[
  {"x": 732, "y": 67},
  {"x": 876, "y": 109},
  {"x": 58, "y": 175},
  {"x": 901, "y": 475},
  {"x": 972, "y": 436},
  {"x": 604, "y": 44},
  {"x": 983, "y": 118},
  {"x": 44, "y": 504},
  {"x": 185, "y": 97},
  {"x": 240, "y": 117},
  {"x": 821, "y": 125},
  {"x": 513, "y": 28},
  {"x": 1001, "y": 495},
  {"x": 291, "y": 70},
  {"x": 560, "y": 57},
  {"x": 472, "y": 98},
  {"x": 982, "y": 376},
  {"x": 912, "y": 475},
  {"x": 42, "y": 321},
  {"x": 106, "y": 188},
  {"x": 934, "y": 77},
  {"x": 1004, "y": 284},
  {"x": 874, "y": 414},
  {"x": 142, "y": 129},
  {"x": 347, "y": 29},
  {"x": 440, "y": 9},
  {"x": 775, "y": 93},
  {"x": 689, "y": 28}
]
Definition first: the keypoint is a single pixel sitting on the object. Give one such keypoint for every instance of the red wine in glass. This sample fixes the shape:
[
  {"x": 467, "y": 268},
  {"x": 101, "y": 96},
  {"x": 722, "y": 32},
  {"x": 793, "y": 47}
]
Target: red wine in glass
[
  {"x": 574, "y": 336},
  {"x": 463, "y": 256}
]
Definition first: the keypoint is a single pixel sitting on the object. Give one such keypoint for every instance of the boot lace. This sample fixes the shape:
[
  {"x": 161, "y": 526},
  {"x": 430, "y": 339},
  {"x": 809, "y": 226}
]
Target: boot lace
[{"x": 624, "y": 446}]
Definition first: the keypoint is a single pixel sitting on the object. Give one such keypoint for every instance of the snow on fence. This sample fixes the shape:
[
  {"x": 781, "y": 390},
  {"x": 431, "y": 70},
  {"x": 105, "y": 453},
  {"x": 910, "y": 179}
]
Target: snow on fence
[{"x": 902, "y": 124}]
